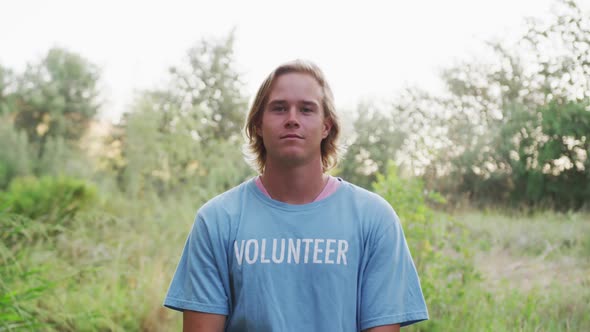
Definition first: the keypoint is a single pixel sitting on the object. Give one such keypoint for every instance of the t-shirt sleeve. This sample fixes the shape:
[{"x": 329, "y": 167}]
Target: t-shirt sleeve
[
  {"x": 200, "y": 281},
  {"x": 390, "y": 289}
]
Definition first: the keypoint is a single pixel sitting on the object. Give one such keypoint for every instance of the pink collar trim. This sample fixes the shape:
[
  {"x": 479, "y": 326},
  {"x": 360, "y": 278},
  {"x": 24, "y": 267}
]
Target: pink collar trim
[{"x": 328, "y": 190}]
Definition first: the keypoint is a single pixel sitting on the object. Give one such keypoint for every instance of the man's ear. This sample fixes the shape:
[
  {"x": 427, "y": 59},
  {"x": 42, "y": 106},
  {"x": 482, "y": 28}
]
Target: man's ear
[{"x": 327, "y": 127}]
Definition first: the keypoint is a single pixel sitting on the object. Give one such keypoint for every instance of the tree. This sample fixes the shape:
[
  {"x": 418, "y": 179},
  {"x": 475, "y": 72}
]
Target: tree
[
  {"x": 208, "y": 88},
  {"x": 503, "y": 121},
  {"x": 405, "y": 131},
  {"x": 7, "y": 82},
  {"x": 551, "y": 164},
  {"x": 15, "y": 155},
  {"x": 377, "y": 139},
  {"x": 186, "y": 133},
  {"x": 56, "y": 97}
]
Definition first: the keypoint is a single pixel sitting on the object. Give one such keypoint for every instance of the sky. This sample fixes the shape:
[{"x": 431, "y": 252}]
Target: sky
[{"x": 368, "y": 50}]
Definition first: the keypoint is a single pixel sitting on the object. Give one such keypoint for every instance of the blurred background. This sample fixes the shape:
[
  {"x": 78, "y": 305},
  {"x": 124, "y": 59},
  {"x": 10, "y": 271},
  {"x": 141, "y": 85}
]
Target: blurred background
[{"x": 118, "y": 120}]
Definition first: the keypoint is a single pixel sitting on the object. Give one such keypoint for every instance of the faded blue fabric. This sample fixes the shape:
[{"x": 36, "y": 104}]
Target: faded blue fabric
[{"x": 338, "y": 264}]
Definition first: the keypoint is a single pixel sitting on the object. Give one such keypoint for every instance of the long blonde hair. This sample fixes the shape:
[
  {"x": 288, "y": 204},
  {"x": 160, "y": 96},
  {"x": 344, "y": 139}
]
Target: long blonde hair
[{"x": 255, "y": 151}]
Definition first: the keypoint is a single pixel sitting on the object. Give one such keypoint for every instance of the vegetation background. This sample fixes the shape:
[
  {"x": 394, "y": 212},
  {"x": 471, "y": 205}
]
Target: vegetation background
[{"x": 491, "y": 179}]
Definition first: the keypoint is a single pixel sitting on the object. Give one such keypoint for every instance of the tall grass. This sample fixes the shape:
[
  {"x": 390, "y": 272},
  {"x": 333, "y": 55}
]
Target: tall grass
[
  {"x": 535, "y": 273},
  {"x": 109, "y": 269},
  {"x": 106, "y": 271}
]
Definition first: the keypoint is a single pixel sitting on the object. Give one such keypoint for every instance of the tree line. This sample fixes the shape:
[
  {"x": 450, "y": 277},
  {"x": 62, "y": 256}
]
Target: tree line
[{"x": 509, "y": 131}]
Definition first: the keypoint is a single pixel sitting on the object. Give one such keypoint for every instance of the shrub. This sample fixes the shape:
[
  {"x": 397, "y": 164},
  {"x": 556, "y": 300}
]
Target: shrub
[
  {"x": 52, "y": 200},
  {"x": 16, "y": 160},
  {"x": 436, "y": 241}
]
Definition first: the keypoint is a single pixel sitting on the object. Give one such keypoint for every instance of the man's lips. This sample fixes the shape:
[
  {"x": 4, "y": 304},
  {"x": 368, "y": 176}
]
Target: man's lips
[{"x": 291, "y": 136}]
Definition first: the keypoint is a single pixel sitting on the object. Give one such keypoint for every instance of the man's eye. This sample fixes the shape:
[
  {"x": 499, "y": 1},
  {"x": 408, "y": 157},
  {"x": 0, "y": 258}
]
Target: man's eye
[
  {"x": 306, "y": 110},
  {"x": 278, "y": 109}
]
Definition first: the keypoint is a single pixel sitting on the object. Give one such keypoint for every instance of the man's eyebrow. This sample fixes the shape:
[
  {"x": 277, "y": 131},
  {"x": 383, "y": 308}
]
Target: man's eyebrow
[
  {"x": 309, "y": 103},
  {"x": 303, "y": 102}
]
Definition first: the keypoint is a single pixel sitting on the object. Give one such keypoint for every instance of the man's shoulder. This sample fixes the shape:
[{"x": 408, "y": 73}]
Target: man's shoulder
[
  {"x": 226, "y": 200},
  {"x": 365, "y": 196},
  {"x": 371, "y": 208}
]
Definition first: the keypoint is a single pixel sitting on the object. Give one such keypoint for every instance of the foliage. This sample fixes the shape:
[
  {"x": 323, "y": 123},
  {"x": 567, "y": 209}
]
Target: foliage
[
  {"x": 205, "y": 90},
  {"x": 168, "y": 161},
  {"x": 16, "y": 297},
  {"x": 511, "y": 129},
  {"x": 536, "y": 159},
  {"x": 534, "y": 275},
  {"x": 17, "y": 159},
  {"x": 208, "y": 88},
  {"x": 528, "y": 106},
  {"x": 549, "y": 156},
  {"x": 378, "y": 138},
  {"x": 437, "y": 243},
  {"x": 44, "y": 111},
  {"x": 7, "y": 82},
  {"x": 56, "y": 97},
  {"x": 186, "y": 136},
  {"x": 48, "y": 199},
  {"x": 105, "y": 267}
]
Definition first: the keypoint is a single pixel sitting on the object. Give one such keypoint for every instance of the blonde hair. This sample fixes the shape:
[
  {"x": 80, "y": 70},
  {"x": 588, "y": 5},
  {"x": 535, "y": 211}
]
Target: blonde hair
[{"x": 255, "y": 151}]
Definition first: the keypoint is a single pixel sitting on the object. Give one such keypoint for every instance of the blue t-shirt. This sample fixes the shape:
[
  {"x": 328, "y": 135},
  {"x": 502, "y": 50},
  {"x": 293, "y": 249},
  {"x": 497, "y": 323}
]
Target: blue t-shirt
[{"x": 338, "y": 264}]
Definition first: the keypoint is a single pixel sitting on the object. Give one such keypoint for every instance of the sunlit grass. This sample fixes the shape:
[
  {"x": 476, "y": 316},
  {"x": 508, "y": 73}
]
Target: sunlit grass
[
  {"x": 110, "y": 270},
  {"x": 535, "y": 275},
  {"x": 545, "y": 235},
  {"x": 105, "y": 272}
]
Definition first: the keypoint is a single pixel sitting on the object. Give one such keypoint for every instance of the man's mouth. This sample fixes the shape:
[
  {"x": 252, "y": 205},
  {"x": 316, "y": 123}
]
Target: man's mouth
[{"x": 291, "y": 136}]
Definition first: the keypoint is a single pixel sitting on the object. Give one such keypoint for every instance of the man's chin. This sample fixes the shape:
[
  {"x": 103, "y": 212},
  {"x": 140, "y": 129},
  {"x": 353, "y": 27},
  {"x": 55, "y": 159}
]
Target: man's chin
[{"x": 291, "y": 159}]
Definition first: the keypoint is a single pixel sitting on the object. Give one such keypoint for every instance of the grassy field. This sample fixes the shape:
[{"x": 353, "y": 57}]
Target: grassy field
[
  {"x": 535, "y": 274},
  {"x": 109, "y": 271}
]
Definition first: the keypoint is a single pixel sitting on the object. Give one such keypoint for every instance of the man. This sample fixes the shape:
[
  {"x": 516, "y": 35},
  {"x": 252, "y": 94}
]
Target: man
[{"x": 296, "y": 249}]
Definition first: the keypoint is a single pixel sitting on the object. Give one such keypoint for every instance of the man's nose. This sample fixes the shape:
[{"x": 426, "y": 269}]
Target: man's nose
[{"x": 292, "y": 118}]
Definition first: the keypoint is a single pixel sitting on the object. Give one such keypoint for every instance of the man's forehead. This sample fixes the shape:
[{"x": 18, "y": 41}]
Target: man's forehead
[{"x": 296, "y": 87}]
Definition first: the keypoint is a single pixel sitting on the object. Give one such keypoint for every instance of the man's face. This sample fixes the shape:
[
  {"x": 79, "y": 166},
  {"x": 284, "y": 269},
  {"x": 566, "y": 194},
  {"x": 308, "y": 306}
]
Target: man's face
[{"x": 293, "y": 123}]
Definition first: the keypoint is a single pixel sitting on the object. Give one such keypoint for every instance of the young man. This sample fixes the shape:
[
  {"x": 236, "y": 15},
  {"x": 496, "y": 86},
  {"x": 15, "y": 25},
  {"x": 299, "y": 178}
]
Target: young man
[{"x": 296, "y": 249}]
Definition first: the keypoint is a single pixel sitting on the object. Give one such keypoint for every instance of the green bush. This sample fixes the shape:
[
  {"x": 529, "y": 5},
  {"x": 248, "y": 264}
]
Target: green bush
[
  {"x": 16, "y": 160},
  {"x": 436, "y": 242},
  {"x": 53, "y": 200},
  {"x": 32, "y": 209}
]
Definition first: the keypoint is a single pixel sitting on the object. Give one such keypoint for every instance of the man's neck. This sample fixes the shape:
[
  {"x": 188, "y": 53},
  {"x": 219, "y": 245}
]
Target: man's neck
[{"x": 296, "y": 185}]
